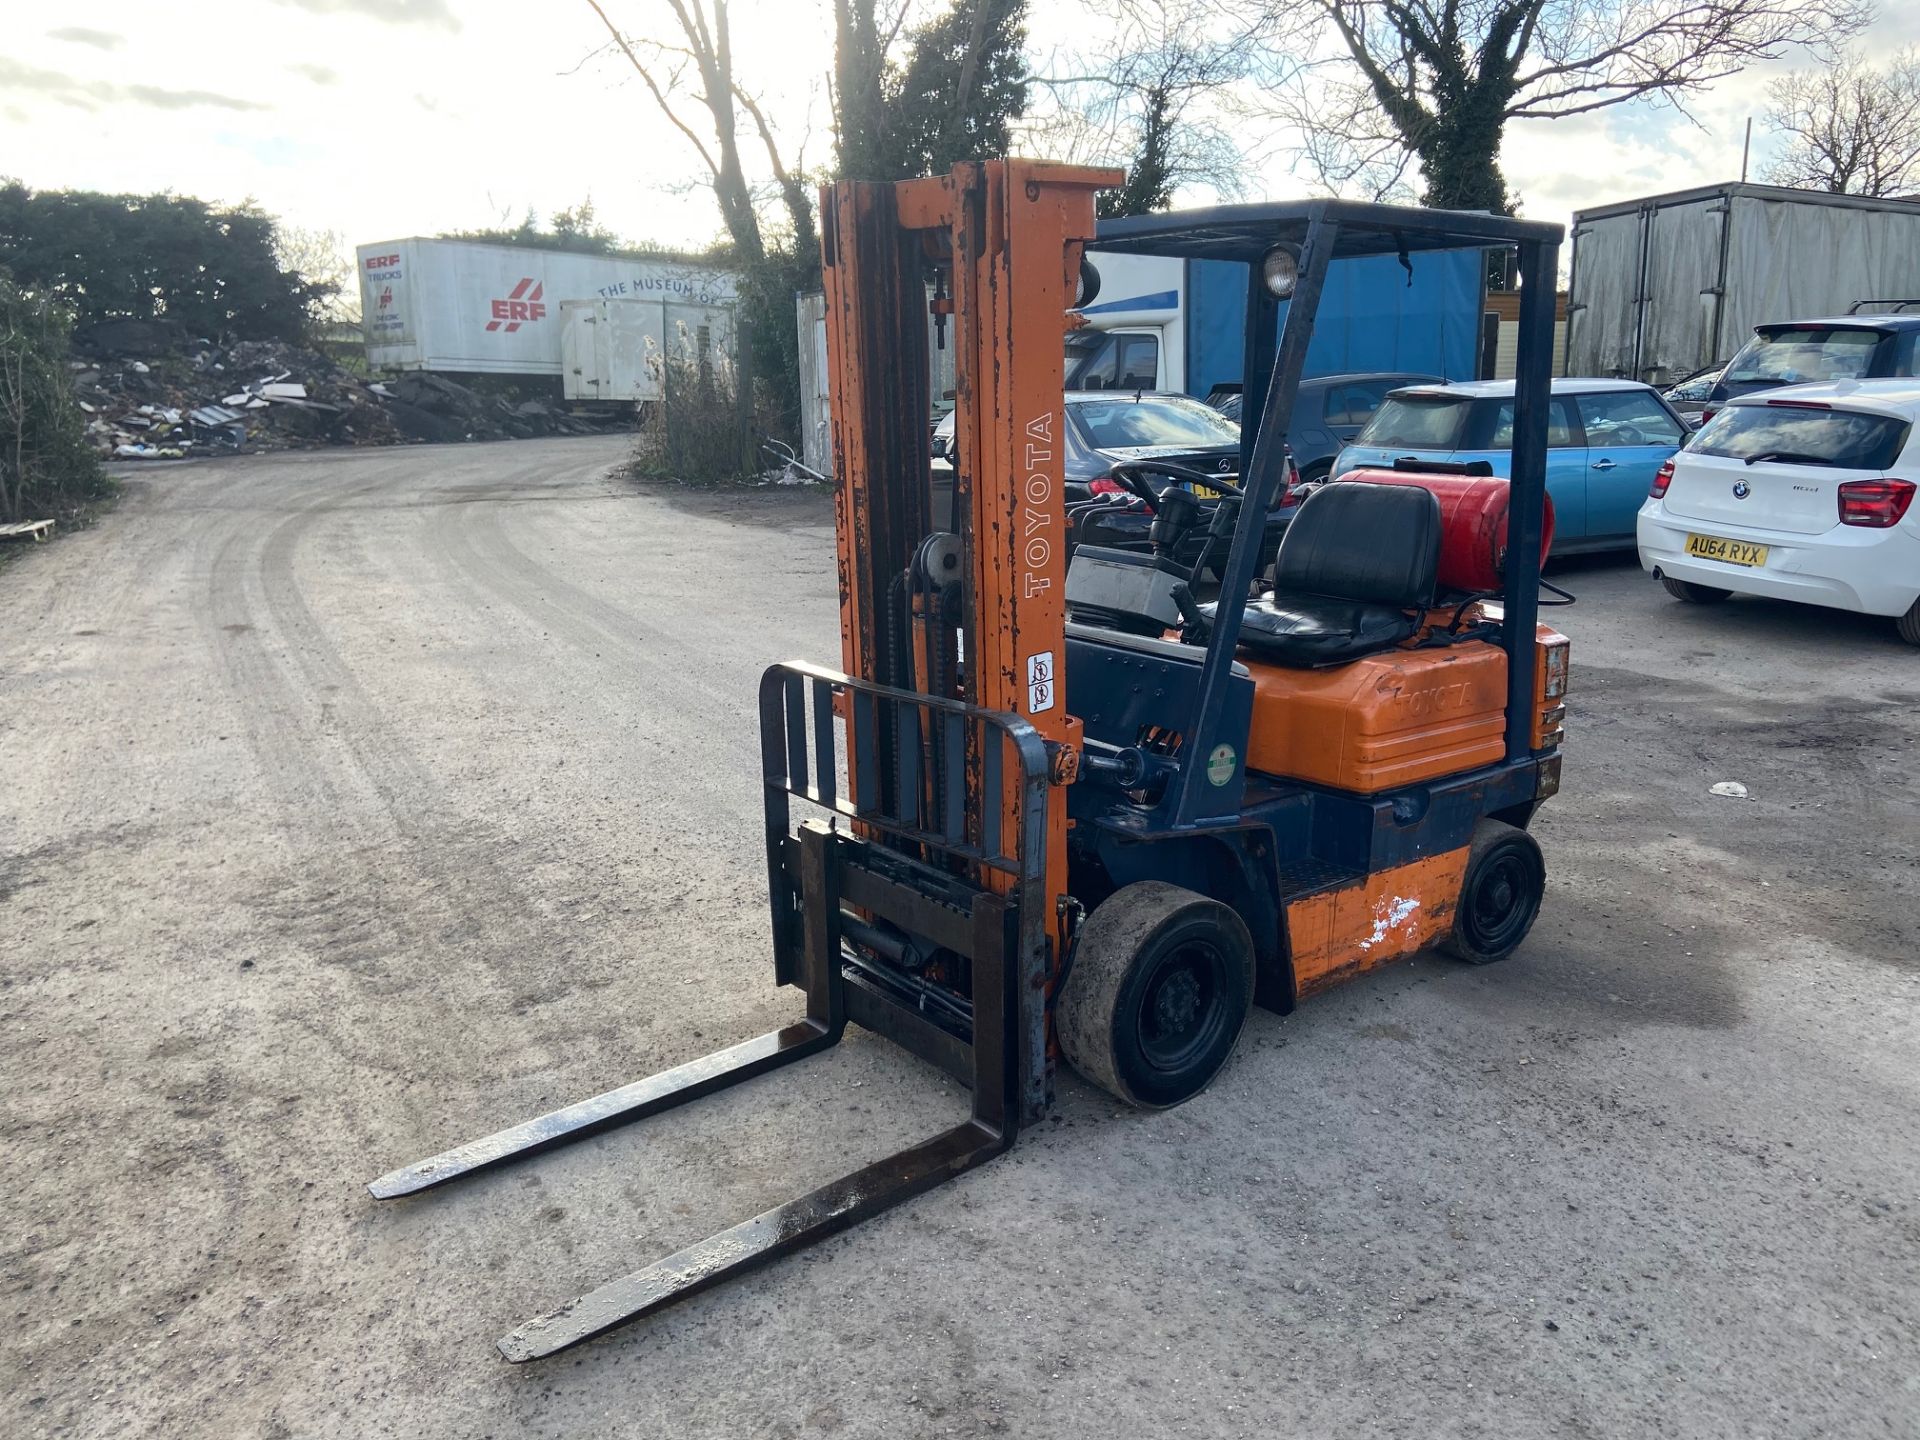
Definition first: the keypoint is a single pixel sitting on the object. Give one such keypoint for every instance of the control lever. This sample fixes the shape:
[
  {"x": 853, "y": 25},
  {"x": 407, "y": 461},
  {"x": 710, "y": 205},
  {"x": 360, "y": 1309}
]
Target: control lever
[{"x": 1195, "y": 628}]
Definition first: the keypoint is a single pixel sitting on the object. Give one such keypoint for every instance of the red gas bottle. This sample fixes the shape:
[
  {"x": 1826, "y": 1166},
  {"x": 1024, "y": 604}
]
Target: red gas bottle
[{"x": 1473, "y": 519}]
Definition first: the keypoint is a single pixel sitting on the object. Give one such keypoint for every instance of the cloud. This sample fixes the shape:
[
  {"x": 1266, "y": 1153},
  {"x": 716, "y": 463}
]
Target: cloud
[
  {"x": 434, "y": 13},
  {"x": 80, "y": 35},
  {"x": 92, "y": 94},
  {"x": 318, "y": 74}
]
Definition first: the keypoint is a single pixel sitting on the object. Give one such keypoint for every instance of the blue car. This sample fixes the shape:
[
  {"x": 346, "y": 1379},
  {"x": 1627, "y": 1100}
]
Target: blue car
[{"x": 1605, "y": 441}]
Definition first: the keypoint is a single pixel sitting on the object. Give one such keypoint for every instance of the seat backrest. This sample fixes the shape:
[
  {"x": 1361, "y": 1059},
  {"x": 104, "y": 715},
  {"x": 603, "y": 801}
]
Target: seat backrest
[{"x": 1354, "y": 541}]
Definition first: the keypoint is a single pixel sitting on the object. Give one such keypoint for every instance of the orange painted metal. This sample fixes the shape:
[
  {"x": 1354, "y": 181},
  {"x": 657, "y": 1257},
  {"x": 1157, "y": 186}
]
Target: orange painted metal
[
  {"x": 1013, "y": 232},
  {"x": 1338, "y": 934},
  {"x": 1383, "y": 721},
  {"x": 1021, "y": 226}
]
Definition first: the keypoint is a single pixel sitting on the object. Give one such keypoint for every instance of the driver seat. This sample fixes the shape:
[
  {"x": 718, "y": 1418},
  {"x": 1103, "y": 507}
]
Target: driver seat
[{"x": 1357, "y": 566}]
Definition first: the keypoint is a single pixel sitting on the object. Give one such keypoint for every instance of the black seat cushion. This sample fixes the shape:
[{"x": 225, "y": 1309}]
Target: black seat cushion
[
  {"x": 1356, "y": 566},
  {"x": 1310, "y": 630}
]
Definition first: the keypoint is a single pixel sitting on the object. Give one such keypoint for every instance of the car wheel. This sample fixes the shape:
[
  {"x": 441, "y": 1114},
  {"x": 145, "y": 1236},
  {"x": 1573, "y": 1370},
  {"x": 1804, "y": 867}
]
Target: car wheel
[
  {"x": 1694, "y": 594},
  {"x": 1909, "y": 624},
  {"x": 1317, "y": 472},
  {"x": 1161, "y": 984},
  {"x": 1500, "y": 897}
]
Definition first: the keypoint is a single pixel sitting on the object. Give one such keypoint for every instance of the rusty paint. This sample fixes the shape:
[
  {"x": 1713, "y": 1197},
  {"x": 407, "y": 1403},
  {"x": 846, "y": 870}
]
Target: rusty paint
[{"x": 1338, "y": 934}]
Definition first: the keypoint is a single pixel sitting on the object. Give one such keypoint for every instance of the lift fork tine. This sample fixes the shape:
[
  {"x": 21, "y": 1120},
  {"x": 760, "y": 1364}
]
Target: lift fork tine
[
  {"x": 768, "y": 1236},
  {"x": 616, "y": 1107},
  {"x": 995, "y": 1076}
]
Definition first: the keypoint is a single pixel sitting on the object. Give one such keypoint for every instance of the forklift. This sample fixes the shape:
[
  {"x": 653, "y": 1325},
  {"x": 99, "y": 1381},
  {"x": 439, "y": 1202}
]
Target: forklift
[{"x": 1043, "y": 811}]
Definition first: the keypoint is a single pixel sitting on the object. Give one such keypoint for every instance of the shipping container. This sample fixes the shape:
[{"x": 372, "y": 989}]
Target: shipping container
[
  {"x": 1670, "y": 285},
  {"x": 463, "y": 307}
]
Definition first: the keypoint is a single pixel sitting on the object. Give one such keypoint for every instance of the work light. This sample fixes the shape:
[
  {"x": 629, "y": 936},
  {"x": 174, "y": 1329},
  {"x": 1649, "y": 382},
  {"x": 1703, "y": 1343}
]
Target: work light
[{"x": 1279, "y": 269}]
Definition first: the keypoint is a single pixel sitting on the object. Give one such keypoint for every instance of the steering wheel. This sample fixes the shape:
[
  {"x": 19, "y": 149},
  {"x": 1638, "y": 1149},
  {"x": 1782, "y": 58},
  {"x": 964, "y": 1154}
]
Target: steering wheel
[
  {"x": 1629, "y": 435},
  {"x": 1133, "y": 473}
]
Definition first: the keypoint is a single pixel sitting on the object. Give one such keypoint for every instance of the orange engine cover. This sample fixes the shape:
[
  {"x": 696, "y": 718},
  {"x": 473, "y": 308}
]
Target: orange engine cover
[
  {"x": 1385, "y": 720},
  {"x": 1473, "y": 521}
]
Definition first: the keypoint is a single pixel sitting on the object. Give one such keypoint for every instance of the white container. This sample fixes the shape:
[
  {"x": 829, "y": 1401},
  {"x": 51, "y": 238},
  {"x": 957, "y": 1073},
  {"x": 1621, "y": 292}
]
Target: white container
[
  {"x": 618, "y": 349},
  {"x": 463, "y": 307}
]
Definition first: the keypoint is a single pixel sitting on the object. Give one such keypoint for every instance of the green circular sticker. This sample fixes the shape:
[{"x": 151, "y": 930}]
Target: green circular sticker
[{"x": 1220, "y": 764}]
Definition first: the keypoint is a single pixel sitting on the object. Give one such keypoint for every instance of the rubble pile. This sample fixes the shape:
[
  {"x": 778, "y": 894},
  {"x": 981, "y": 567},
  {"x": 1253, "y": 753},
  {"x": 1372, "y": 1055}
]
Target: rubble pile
[{"x": 259, "y": 395}]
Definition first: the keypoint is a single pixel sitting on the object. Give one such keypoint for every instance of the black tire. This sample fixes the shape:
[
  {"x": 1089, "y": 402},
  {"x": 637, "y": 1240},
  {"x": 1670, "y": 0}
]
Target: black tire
[
  {"x": 1316, "y": 472},
  {"x": 1500, "y": 896},
  {"x": 1909, "y": 624},
  {"x": 1694, "y": 594},
  {"x": 1161, "y": 984}
]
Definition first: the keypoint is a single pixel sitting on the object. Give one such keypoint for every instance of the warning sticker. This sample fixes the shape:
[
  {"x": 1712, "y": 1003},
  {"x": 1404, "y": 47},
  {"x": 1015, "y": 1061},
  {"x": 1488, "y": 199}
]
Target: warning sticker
[{"x": 1039, "y": 682}]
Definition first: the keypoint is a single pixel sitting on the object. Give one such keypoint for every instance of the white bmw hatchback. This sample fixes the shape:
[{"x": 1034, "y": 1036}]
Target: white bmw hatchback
[{"x": 1804, "y": 494}]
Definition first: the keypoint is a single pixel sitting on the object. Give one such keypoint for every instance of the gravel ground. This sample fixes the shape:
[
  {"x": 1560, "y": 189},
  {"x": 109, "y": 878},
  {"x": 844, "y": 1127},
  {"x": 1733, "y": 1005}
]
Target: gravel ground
[{"x": 358, "y": 802}]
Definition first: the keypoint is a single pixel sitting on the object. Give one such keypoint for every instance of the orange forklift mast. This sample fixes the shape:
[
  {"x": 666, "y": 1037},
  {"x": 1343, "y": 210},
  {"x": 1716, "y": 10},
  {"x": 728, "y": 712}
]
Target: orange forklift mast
[{"x": 1054, "y": 807}]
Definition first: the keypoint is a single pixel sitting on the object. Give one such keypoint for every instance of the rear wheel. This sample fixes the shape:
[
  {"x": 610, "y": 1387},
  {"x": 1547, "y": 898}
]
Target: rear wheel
[
  {"x": 1161, "y": 983},
  {"x": 1694, "y": 594},
  {"x": 1909, "y": 624},
  {"x": 1500, "y": 897}
]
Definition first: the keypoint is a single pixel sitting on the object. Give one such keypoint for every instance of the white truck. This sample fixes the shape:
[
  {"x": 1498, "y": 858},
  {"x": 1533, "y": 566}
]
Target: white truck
[{"x": 599, "y": 322}]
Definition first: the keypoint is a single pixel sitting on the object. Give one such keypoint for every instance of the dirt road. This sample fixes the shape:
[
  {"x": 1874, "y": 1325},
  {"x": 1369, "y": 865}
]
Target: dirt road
[{"x": 356, "y": 803}]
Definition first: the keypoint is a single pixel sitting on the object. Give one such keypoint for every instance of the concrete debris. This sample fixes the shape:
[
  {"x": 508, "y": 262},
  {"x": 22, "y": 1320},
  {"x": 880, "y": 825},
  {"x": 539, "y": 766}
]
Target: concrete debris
[{"x": 197, "y": 398}]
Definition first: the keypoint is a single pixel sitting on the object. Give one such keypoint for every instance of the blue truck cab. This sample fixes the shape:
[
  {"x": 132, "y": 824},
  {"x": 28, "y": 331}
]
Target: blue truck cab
[{"x": 1161, "y": 323}]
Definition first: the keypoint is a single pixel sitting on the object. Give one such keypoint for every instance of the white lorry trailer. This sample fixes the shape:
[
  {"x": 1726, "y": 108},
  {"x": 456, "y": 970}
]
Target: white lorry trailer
[
  {"x": 465, "y": 307},
  {"x": 1672, "y": 284}
]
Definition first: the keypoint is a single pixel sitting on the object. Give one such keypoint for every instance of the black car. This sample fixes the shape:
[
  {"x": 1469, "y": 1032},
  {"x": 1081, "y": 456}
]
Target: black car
[
  {"x": 1803, "y": 352},
  {"x": 1329, "y": 410},
  {"x": 1105, "y": 427}
]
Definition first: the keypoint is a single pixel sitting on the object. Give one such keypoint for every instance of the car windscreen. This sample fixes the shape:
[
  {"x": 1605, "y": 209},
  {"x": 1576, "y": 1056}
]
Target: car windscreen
[
  {"x": 1802, "y": 355},
  {"x": 1417, "y": 420},
  {"x": 1123, "y": 423},
  {"x": 1801, "y": 435}
]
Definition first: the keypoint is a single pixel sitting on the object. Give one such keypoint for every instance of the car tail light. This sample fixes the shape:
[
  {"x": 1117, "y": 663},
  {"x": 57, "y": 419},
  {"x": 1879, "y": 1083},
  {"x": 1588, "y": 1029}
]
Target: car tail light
[
  {"x": 1662, "y": 478},
  {"x": 1291, "y": 484},
  {"x": 1707, "y": 412},
  {"x": 1106, "y": 485},
  {"x": 1876, "y": 504}
]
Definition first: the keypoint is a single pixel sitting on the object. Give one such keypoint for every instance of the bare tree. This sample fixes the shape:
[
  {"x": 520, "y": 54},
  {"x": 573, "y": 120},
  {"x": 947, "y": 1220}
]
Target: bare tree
[
  {"x": 1851, "y": 129},
  {"x": 1154, "y": 97},
  {"x": 699, "y": 72},
  {"x": 1437, "y": 81},
  {"x": 324, "y": 260}
]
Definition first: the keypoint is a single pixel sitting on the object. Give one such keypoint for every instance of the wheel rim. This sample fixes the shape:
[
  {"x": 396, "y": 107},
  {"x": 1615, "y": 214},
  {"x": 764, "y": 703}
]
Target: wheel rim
[
  {"x": 1501, "y": 905},
  {"x": 1181, "y": 1014}
]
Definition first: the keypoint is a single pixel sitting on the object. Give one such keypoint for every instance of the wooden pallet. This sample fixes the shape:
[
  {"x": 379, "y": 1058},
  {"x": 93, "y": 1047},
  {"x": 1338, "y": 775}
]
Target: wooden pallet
[{"x": 27, "y": 530}]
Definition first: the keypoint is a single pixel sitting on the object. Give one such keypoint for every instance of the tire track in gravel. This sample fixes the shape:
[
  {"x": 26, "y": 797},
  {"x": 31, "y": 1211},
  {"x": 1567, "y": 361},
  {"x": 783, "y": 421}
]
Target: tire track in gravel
[
  {"x": 652, "y": 658},
  {"x": 374, "y": 893}
]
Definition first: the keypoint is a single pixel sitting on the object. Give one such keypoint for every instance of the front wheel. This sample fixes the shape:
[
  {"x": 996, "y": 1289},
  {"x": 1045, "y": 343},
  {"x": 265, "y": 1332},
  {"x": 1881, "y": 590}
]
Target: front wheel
[
  {"x": 1694, "y": 594},
  {"x": 1500, "y": 897},
  {"x": 1161, "y": 983}
]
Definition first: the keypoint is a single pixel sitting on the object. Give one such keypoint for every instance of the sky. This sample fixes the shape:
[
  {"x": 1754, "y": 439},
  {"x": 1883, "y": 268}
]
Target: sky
[{"x": 379, "y": 119}]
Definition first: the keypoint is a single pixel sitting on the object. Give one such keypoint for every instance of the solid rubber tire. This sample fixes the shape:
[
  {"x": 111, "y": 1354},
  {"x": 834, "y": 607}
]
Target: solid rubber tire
[
  {"x": 1694, "y": 594},
  {"x": 1909, "y": 624},
  {"x": 1130, "y": 939},
  {"x": 1500, "y": 853}
]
